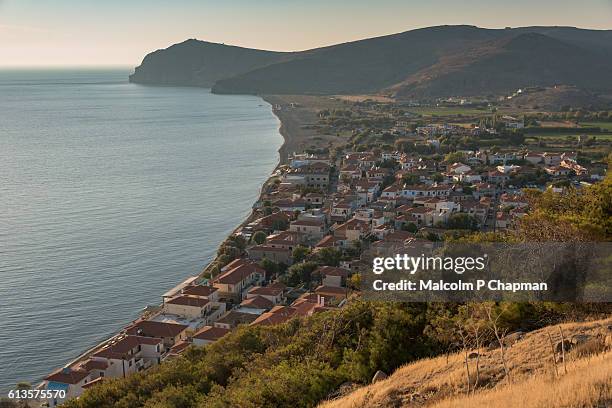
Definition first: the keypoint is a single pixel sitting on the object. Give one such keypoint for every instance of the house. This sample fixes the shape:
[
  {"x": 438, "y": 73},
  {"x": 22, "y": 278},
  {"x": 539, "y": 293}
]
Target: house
[
  {"x": 233, "y": 318},
  {"x": 367, "y": 189},
  {"x": 328, "y": 241},
  {"x": 411, "y": 191},
  {"x": 67, "y": 380},
  {"x": 497, "y": 177},
  {"x": 333, "y": 276},
  {"x": 188, "y": 306},
  {"x": 342, "y": 210},
  {"x": 275, "y": 254},
  {"x": 314, "y": 229},
  {"x": 424, "y": 216},
  {"x": 277, "y": 315},
  {"x": 270, "y": 223},
  {"x": 513, "y": 201},
  {"x": 557, "y": 171},
  {"x": 316, "y": 175},
  {"x": 209, "y": 334},
  {"x": 285, "y": 239},
  {"x": 331, "y": 294},
  {"x": 177, "y": 350},
  {"x": 459, "y": 168},
  {"x": 130, "y": 354},
  {"x": 512, "y": 123},
  {"x": 551, "y": 159},
  {"x": 274, "y": 292},
  {"x": 468, "y": 177},
  {"x": 169, "y": 333},
  {"x": 480, "y": 190},
  {"x": 290, "y": 205},
  {"x": 313, "y": 199},
  {"x": 259, "y": 303},
  {"x": 231, "y": 283},
  {"x": 352, "y": 230},
  {"x": 534, "y": 158},
  {"x": 209, "y": 292},
  {"x": 502, "y": 220},
  {"x": 392, "y": 191},
  {"x": 350, "y": 172},
  {"x": 391, "y": 155}
]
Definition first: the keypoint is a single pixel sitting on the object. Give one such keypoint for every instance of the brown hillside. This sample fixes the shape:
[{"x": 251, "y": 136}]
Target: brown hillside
[{"x": 533, "y": 383}]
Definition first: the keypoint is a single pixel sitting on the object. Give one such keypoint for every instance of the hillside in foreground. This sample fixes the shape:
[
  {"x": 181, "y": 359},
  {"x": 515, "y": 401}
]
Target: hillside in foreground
[
  {"x": 423, "y": 63},
  {"x": 532, "y": 379}
]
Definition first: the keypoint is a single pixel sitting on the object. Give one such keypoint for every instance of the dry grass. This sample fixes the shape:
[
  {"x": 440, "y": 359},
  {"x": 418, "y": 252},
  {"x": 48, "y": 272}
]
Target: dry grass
[
  {"x": 588, "y": 383},
  {"x": 436, "y": 382}
]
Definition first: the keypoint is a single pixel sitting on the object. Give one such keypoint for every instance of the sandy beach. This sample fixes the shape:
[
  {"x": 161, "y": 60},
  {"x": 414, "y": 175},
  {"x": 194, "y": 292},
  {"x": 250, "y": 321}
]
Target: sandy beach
[{"x": 298, "y": 117}]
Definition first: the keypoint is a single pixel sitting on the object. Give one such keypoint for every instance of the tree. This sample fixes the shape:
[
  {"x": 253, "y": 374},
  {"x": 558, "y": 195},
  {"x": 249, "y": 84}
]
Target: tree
[
  {"x": 462, "y": 221},
  {"x": 454, "y": 157},
  {"x": 280, "y": 225},
  {"x": 410, "y": 227},
  {"x": 328, "y": 256},
  {"x": 300, "y": 274},
  {"x": 259, "y": 237},
  {"x": 410, "y": 179},
  {"x": 299, "y": 253},
  {"x": 271, "y": 267}
]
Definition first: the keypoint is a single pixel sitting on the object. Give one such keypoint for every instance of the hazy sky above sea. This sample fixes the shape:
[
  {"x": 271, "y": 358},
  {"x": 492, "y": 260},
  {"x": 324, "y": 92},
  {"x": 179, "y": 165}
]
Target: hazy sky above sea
[{"x": 114, "y": 32}]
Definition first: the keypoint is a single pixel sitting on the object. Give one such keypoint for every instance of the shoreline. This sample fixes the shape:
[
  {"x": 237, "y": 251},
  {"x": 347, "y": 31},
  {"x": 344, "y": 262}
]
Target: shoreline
[{"x": 283, "y": 156}]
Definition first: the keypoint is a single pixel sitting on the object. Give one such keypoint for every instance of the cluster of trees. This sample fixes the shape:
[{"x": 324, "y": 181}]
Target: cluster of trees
[
  {"x": 301, "y": 362},
  {"x": 301, "y": 272},
  {"x": 568, "y": 114},
  {"x": 233, "y": 247}
]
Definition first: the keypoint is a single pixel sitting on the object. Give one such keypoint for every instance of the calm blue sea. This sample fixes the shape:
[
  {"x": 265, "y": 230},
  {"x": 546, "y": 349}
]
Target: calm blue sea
[{"x": 110, "y": 194}]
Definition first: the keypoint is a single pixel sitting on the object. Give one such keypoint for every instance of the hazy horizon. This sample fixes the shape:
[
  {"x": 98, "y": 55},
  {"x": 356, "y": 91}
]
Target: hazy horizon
[{"x": 70, "y": 33}]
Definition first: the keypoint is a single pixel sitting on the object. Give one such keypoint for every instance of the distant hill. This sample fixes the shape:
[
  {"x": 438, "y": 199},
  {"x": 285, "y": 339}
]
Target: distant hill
[
  {"x": 200, "y": 63},
  {"x": 424, "y": 63}
]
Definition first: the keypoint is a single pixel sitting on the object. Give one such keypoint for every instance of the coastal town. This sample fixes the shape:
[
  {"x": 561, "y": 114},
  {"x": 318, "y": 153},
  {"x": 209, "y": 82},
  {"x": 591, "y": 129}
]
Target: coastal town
[{"x": 393, "y": 177}]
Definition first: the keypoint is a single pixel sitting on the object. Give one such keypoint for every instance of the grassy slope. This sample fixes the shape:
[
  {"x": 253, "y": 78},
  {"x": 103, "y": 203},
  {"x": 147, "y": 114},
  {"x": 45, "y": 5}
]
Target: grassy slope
[{"x": 436, "y": 382}]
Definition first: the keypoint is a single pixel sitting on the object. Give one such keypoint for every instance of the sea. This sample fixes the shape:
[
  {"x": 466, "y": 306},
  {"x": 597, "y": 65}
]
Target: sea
[{"x": 112, "y": 193}]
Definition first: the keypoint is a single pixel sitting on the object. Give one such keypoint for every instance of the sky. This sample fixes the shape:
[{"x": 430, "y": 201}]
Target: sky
[{"x": 122, "y": 32}]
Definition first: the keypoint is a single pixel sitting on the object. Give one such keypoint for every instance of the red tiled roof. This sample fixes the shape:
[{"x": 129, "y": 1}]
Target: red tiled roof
[
  {"x": 94, "y": 365},
  {"x": 257, "y": 302},
  {"x": 67, "y": 376},
  {"x": 188, "y": 300},
  {"x": 327, "y": 241},
  {"x": 211, "y": 333},
  {"x": 149, "y": 328},
  {"x": 238, "y": 274},
  {"x": 279, "y": 314},
  {"x": 331, "y": 290},
  {"x": 332, "y": 271},
  {"x": 122, "y": 347},
  {"x": 179, "y": 347},
  {"x": 200, "y": 290}
]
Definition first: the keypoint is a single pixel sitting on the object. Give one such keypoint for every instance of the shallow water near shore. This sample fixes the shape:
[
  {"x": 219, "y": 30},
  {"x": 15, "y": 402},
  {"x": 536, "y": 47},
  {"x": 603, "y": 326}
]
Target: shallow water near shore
[{"x": 110, "y": 194}]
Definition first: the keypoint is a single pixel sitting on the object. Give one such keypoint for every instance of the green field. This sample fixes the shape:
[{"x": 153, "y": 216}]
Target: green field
[
  {"x": 445, "y": 111},
  {"x": 603, "y": 125},
  {"x": 562, "y": 136}
]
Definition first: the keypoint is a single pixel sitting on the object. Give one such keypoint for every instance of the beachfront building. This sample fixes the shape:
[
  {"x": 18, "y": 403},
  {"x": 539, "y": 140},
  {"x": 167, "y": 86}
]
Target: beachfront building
[
  {"x": 130, "y": 354},
  {"x": 234, "y": 281},
  {"x": 68, "y": 380},
  {"x": 169, "y": 333}
]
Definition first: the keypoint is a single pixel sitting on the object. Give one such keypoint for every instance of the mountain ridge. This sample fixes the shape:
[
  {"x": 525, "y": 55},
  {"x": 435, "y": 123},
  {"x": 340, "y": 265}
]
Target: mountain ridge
[{"x": 428, "y": 62}]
